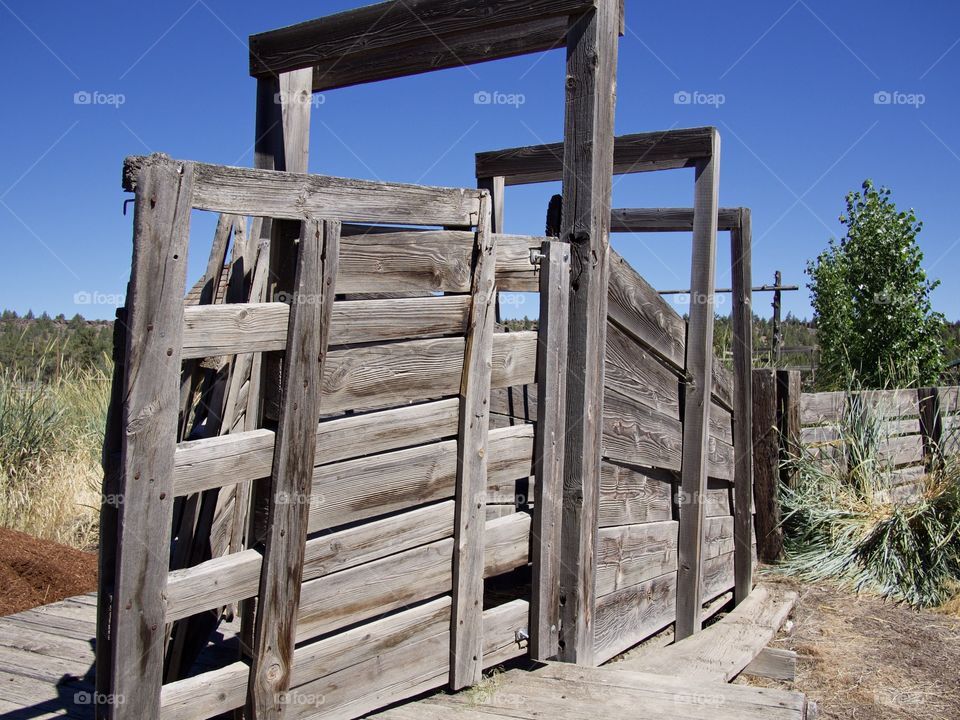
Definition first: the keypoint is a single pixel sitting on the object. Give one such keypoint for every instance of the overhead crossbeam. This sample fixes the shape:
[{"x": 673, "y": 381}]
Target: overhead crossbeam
[
  {"x": 408, "y": 37},
  {"x": 642, "y": 152}
]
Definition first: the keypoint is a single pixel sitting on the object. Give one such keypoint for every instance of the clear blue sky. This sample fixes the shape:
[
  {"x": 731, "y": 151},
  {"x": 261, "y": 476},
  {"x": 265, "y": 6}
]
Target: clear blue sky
[{"x": 798, "y": 118}]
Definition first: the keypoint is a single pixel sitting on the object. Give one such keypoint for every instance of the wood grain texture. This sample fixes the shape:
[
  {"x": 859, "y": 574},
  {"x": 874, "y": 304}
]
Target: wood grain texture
[
  {"x": 637, "y": 309},
  {"x": 631, "y": 554},
  {"x": 766, "y": 463},
  {"x": 370, "y": 32},
  {"x": 741, "y": 270},
  {"x": 466, "y": 632},
  {"x": 587, "y": 154},
  {"x": 633, "y": 495},
  {"x": 634, "y": 434},
  {"x": 549, "y": 450},
  {"x": 214, "y": 330},
  {"x": 149, "y": 420},
  {"x": 292, "y": 473},
  {"x": 699, "y": 370},
  {"x": 247, "y": 456},
  {"x": 638, "y": 220},
  {"x": 632, "y": 153},
  {"x": 293, "y": 196},
  {"x": 627, "y": 616},
  {"x": 638, "y": 375},
  {"x": 369, "y": 590}
]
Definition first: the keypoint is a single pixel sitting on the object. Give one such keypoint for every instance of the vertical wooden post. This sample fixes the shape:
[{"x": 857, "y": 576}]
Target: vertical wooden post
[
  {"x": 788, "y": 419},
  {"x": 777, "y": 327},
  {"x": 109, "y": 509},
  {"x": 766, "y": 461},
  {"x": 293, "y": 461},
  {"x": 741, "y": 257},
  {"x": 150, "y": 410},
  {"x": 495, "y": 186},
  {"x": 699, "y": 369},
  {"x": 931, "y": 426},
  {"x": 466, "y": 621},
  {"x": 548, "y": 451},
  {"x": 592, "y": 49}
]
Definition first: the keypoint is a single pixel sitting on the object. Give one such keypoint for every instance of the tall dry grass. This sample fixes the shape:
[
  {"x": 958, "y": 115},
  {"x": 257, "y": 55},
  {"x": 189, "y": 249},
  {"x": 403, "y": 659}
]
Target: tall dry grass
[{"x": 51, "y": 434}]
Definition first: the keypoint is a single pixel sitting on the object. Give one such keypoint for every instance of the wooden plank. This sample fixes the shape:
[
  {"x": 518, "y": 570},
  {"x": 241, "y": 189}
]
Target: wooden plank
[
  {"x": 722, "y": 385},
  {"x": 627, "y": 616},
  {"x": 788, "y": 420},
  {"x": 466, "y": 633},
  {"x": 494, "y": 185},
  {"x": 548, "y": 450},
  {"x": 636, "y": 435},
  {"x": 633, "y": 495},
  {"x": 741, "y": 270},
  {"x": 822, "y": 408},
  {"x": 359, "y": 489},
  {"x": 644, "y": 315},
  {"x": 359, "y": 593},
  {"x": 632, "y": 153},
  {"x": 224, "y": 580},
  {"x": 892, "y": 403},
  {"x": 293, "y": 196},
  {"x": 718, "y": 576},
  {"x": 631, "y": 554},
  {"x": 898, "y": 451},
  {"x": 437, "y": 53},
  {"x": 699, "y": 369},
  {"x": 293, "y": 464},
  {"x": 587, "y": 160},
  {"x": 774, "y": 663},
  {"x": 636, "y": 374},
  {"x": 151, "y": 381},
  {"x": 388, "y": 650},
  {"x": 244, "y": 457},
  {"x": 111, "y": 462},
  {"x": 720, "y": 653},
  {"x": 409, "y": 670},
  {"x": 397, "y": 373},
  {"x": 395, "y": 26},
  {"x": 215, "y": 330},
  {"x": 721, "y": 423},
  {"x": 766, "y": 462},
  {"x": 638, "y": 220}
]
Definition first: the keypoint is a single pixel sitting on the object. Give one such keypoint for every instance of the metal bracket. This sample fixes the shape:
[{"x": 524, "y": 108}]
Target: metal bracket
[{"x": 536, "y": 256}]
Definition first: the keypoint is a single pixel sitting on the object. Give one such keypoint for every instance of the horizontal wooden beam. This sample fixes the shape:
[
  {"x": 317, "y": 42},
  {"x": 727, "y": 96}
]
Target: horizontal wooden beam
[
  {"x": 293, "y": 196},
  {"x": 382, "y": 33},
  {"x": 666, "y": 219},
  {"x": 643, "y": 152},
  {"x": 440, "y": 53}
]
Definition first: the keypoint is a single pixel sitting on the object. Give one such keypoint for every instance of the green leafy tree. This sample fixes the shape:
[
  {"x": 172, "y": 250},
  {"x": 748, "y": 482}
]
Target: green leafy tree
[{"x": 871, "y": 299}]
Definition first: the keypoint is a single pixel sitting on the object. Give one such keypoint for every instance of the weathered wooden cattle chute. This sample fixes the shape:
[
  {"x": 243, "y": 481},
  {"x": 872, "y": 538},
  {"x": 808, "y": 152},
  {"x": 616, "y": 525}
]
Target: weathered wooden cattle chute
[
  {"x": 668, "y": 409},
  {"x": 314, "y": 465}
]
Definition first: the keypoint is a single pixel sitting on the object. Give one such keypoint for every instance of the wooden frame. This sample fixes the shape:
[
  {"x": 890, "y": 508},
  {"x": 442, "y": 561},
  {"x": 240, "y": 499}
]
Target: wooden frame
[
  {"x": 399, "y": 38},
  {"x": 697, "y": 148}
]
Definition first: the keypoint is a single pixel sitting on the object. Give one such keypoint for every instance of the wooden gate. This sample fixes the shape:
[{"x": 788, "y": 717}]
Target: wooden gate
[{"x": 362, "y": 577}]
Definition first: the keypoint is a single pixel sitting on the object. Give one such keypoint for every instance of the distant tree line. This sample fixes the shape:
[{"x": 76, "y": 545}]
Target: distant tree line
[{"x": 41, "y": 347}]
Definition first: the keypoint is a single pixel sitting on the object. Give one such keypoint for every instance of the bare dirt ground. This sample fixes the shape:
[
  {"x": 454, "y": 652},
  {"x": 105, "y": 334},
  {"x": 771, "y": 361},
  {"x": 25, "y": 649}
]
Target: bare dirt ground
[
  {"x": 36, "y": 572},
  {"x": 863, "y": 658}
]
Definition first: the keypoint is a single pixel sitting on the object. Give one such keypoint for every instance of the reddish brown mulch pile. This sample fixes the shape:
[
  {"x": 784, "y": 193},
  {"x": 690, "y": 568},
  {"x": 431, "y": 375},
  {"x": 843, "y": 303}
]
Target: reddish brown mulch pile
[{"x": 37, "y": 572}]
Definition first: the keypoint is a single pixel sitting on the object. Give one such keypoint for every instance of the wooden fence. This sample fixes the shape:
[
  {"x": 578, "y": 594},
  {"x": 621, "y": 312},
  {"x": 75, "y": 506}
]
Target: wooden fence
[{"x": 916, "y": 428}]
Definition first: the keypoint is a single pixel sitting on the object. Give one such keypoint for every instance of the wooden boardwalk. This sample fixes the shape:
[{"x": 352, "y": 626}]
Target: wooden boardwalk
[
  {"x": 578, "y": 693},
  {"x": 47, "y": 660}
]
